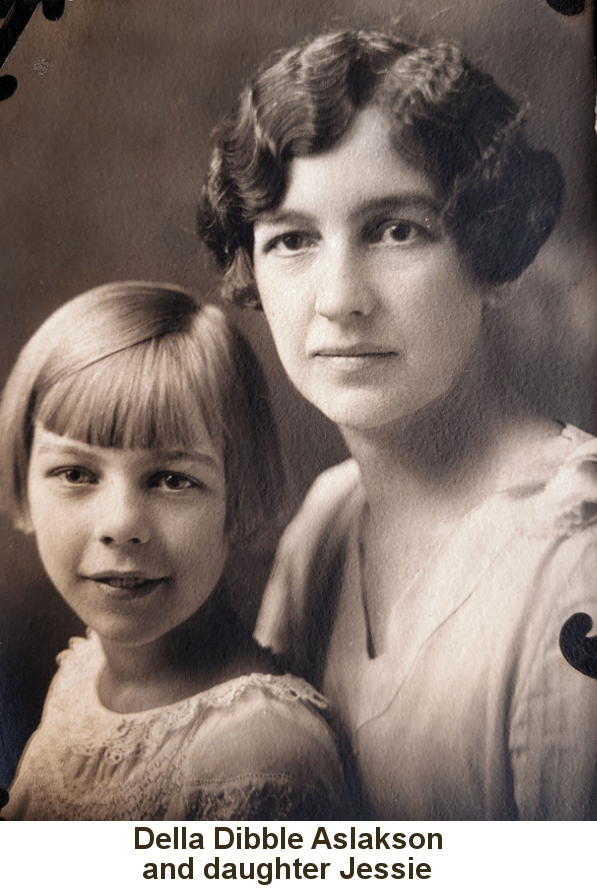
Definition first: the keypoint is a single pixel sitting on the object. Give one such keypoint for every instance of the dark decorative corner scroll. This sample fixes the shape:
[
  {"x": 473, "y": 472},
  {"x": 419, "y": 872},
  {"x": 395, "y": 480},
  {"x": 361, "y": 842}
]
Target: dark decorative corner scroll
[
  {"x": 568, "y": 7},
  {"x": 17, "y": 14},
  {"x": 579, "y": 651},
  {"x": 3, "y": 799}
]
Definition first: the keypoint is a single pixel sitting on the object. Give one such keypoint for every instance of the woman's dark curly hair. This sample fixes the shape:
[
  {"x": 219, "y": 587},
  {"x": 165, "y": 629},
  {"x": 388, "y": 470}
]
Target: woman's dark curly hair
[{"x": 502, "y": 198}]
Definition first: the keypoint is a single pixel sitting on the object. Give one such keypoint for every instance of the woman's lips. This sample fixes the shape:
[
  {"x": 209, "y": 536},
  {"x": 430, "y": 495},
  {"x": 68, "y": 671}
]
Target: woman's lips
[
  {"x": 127, "y": 585},
  {"x": 354, "y": 358}
]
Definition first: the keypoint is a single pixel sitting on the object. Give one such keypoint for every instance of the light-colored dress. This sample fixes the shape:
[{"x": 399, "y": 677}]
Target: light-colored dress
[
  {"x": 471, "y": 712},
  {"x": 254, "y": 747}
]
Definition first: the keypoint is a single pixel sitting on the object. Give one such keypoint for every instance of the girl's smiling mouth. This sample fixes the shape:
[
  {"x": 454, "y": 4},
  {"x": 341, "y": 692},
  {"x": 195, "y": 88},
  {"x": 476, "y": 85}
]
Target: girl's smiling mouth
[{"x": 127, "y": 584}]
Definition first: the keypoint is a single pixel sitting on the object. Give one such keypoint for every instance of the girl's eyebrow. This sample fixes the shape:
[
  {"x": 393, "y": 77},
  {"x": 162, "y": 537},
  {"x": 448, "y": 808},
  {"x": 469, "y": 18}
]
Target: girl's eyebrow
[
  {"x": 162, "y": 455},
  {"x": 188, "y": 454}
]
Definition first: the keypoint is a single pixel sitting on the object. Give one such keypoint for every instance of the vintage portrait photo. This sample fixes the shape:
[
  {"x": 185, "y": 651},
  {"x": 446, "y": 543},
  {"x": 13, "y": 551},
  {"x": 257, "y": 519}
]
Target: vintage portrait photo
[{"x": 298, "y": 430}]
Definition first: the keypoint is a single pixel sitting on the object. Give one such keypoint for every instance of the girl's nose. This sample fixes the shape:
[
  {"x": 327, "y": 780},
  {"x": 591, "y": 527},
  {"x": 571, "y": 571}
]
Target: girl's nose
[
  {"x": 342, "y": 285},
  {"x": 122, "y": 519}
]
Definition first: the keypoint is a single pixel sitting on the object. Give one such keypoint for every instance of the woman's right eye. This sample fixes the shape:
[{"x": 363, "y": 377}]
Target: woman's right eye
[{"x": 290, "y": 243}]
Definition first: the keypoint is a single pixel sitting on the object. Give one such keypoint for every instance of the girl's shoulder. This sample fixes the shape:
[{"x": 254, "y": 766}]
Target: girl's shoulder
[
  {"x": 265, "y": 745},
  {"x": 271, "y": 723}
]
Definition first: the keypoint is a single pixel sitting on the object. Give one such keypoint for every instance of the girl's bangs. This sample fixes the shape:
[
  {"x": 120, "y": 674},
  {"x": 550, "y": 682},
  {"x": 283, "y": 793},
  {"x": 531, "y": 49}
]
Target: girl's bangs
[{"x": 150, "y": 396}]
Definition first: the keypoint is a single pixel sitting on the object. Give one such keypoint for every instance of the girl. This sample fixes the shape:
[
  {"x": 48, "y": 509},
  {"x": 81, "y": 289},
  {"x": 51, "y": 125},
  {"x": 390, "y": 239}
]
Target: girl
[
  {"x": 376, "y": 198},
  {"x": 138, "y": 448}
]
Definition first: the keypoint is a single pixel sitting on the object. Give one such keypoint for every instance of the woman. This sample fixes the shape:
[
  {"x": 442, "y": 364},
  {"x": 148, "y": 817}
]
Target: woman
[{"x": 376, "y": 198}]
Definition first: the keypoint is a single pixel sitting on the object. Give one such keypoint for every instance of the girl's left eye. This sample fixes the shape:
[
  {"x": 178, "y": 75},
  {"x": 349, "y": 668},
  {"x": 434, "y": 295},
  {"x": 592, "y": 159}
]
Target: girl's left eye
[{"x": 173, "y": 482}]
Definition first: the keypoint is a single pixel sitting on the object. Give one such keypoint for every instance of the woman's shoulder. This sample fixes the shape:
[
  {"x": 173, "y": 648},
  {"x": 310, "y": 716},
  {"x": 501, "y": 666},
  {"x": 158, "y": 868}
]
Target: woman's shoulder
[
  {"x": 334, "y": 496},
  {"x": 324, "y": 518},
  {"x": 309, "y": 547},
  {"x": 567, "y": 503}
]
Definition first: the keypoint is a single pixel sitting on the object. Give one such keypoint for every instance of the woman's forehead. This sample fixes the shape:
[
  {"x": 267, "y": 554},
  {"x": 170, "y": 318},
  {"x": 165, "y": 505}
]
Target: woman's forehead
[{"x": 363, "y": 171}]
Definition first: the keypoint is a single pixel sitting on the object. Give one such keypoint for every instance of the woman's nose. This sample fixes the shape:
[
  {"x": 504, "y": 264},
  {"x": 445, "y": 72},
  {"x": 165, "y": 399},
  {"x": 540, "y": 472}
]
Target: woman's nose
[
  {"x": 122, "y": 518},
  {"x": 342, "y": 285}
]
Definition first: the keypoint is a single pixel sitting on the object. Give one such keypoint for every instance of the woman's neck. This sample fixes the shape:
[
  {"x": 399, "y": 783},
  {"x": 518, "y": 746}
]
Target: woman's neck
[{"x": 442, "y": 452}]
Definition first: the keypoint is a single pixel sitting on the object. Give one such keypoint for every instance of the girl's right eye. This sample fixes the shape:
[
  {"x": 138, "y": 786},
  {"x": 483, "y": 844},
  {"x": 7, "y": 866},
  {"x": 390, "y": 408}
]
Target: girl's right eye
[{"x": 75, "y": 476}]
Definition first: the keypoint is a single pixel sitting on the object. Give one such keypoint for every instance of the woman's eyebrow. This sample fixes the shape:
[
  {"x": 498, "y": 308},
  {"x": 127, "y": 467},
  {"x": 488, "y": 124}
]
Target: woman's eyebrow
[
  {"x": 417, "y": 201},
  {"x": 284, "y": 217}
]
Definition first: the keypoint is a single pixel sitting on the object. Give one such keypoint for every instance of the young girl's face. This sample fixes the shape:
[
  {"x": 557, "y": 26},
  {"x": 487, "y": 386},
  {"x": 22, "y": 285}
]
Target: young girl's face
[
  {"x": 372, "y": 308},
  {"x": 133, "y": 539}
]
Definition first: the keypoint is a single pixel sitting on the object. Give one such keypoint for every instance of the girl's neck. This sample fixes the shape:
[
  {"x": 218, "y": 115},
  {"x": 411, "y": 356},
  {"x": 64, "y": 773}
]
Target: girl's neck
[{"x": 208, "y": 649}]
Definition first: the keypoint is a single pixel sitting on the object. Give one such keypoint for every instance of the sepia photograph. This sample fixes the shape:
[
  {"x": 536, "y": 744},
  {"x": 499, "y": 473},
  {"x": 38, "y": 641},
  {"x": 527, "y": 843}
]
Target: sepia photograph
[{"x": 298, "y": 426}]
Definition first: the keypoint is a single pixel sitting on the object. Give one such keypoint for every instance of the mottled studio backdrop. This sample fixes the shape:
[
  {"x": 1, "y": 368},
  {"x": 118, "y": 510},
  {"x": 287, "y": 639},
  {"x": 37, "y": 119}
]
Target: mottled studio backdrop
[{"x": 102, "y": 154}]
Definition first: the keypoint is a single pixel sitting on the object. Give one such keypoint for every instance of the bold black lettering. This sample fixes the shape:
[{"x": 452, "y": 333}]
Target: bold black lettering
[
  {"x": 340, "y": 841},
  {"x": 215, "y": 873},
  {"x": 143, "y": 845},
  {"x": 399, "y": 841},
  {"x": 264, "y": 879},
  {"x": 162, "y": 841},
  {"x": 251, "y": 874},
  {"x": 380, "y": 838},
  {"x": 151, "y": 871},
  {"x": 348, "y": 876},
  {"x": 224, "y": 845},
  {"x": 164, "y": 865},
  {"x": 279, "y": 866},
  {"x": 364, "y": 871},
  {"x": 252, "y": 840},
  {"x": 430, "y": 837},
  {"x": 295, "y": 841},
  {"x": 321, "y": 839},
  {"x": 266, "y": 839},
  {"x": 398, "y": 871},
  {"x": 411, "y": 839},
  {"x": 381, "y": 871},
  {"x": 229, "y": 871},
  {"x": 189, "y": 866},
  {"x": 196, "y": 841},
  {"x": 365, "y": 841},
  {"x": 422, "y": 869}
]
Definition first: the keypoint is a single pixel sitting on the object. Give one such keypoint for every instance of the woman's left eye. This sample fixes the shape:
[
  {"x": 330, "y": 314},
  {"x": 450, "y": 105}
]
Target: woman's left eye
[
  {"x": 173, "y": 482},
  {"x": 399, "y": 232}
]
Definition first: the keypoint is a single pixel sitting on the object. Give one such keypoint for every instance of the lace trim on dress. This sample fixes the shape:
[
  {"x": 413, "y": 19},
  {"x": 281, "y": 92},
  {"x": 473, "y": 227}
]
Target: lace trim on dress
[
  {"x": 271, "y": 799},
  {"x": 116, "y": 737}
]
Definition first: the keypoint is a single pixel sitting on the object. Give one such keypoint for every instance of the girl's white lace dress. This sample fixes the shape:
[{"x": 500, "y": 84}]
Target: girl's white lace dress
[{"x": 255, "y": 747}]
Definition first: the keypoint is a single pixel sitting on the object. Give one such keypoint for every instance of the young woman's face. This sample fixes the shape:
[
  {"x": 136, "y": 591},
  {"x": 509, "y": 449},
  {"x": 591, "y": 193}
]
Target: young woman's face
[
  {"x": 133, "y": 539},
  {"x": 370, "y": 305}
]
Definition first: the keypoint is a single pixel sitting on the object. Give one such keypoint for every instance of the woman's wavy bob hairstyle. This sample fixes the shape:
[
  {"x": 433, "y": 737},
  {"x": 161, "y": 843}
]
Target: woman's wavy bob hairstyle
[
  {"x": 501, "y": 198},
  {"x": 139, "y": 365}
]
